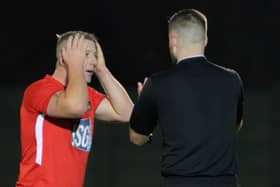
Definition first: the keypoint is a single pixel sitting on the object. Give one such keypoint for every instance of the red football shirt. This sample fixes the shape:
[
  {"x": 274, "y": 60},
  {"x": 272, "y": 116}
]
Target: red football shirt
[{"x": 54, "y": 151}]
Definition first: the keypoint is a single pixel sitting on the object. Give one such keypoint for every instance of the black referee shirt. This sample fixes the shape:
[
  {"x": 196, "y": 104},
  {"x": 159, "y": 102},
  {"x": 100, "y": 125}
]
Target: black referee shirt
[{"x": 197, "y": 106}]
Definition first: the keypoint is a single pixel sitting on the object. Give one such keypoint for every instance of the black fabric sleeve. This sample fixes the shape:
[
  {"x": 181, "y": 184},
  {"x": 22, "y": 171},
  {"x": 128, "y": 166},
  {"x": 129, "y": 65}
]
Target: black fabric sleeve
[
  {"x": 144, "y": 115},
  {"x": 240, "y": 99}
]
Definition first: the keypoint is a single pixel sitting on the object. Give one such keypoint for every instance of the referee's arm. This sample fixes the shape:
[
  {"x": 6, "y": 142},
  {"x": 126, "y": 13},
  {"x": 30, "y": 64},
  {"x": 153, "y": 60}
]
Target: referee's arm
[
  {"x": 240, "y": 105},
  {"x": 143, "y": 118},
  {"x": 138, "y": 139}
]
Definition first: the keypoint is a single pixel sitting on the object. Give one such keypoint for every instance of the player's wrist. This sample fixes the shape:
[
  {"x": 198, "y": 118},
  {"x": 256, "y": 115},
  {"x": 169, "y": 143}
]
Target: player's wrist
[{"x": 101, "y": 70}]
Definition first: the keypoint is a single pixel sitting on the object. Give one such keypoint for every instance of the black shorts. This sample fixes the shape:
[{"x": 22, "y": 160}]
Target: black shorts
[{"x": 221, "y": 181}]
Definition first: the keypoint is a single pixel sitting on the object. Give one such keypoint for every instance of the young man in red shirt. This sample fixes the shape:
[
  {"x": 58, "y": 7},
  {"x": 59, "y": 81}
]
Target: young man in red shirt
[{"x": 57, "y": 114}]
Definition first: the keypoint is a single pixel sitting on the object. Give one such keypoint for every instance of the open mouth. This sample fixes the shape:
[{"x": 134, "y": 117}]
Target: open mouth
[{"x": 90, "y": 71}]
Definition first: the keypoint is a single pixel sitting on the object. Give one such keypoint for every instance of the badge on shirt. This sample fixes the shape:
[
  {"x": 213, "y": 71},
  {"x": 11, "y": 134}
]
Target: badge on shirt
[{"x": 81, "y": 135}]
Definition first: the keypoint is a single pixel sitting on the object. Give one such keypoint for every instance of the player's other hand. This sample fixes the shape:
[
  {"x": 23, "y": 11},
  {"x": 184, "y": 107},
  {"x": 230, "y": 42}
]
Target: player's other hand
[{"x": 100, "y": 64}]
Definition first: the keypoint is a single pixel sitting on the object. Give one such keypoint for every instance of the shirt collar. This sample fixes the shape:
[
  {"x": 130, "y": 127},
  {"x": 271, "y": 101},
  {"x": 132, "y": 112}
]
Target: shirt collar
[{"x": 189, "y": 57}]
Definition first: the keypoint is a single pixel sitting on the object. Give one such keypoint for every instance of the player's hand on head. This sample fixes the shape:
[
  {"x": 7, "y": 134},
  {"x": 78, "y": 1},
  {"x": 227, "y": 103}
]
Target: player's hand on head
[
  {"x": 73, "y": 51},
  {"x": 99, "y": 57}
]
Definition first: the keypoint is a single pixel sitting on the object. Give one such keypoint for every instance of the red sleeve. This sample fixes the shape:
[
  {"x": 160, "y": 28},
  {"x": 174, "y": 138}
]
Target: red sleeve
[
  {"x": 95, "y": 97},
  {"x": 37, "y": 95}
]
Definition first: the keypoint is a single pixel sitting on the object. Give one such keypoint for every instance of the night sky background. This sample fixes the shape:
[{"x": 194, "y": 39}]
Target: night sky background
[{"x": 243, "y": 35}]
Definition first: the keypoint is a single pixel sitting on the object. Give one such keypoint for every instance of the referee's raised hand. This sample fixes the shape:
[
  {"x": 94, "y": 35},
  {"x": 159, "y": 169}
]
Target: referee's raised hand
[{"x": 140, "y": 86}]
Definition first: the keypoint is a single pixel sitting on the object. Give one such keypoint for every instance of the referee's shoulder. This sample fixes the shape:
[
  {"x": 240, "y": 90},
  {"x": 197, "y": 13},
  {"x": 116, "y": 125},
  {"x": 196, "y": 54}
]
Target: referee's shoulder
[{"x": 226, "y": 70}]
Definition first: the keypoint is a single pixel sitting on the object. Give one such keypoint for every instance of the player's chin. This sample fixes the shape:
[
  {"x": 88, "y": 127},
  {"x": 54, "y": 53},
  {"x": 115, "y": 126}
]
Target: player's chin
[
  {"x": 88, "y": 79},
  {"x": 88, "y": 76}
]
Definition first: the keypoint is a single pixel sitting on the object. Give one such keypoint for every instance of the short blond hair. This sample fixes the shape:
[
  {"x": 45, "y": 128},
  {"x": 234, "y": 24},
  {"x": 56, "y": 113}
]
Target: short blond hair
[{"x": 63, "y": 37}]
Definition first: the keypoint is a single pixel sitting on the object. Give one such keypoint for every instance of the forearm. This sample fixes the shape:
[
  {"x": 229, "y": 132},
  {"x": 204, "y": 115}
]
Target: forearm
[
  {"x": 116, "y": 94},
  {"x": 138, "y": 139},
  {"x": 76, "y": 92}
]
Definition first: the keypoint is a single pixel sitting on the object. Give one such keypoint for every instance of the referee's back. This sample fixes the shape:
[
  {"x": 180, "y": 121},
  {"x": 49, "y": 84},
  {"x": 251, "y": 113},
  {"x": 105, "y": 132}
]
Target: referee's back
[{"x": 198, "y": 109}]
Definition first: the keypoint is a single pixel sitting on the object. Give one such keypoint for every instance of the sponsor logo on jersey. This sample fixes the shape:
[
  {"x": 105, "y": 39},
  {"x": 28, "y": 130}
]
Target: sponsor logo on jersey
[{"x": 81, "y": 135}]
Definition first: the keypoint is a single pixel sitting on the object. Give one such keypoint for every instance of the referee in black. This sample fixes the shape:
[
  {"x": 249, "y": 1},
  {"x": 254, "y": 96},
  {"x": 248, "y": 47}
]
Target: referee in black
[{"x": 198, "y": 106}]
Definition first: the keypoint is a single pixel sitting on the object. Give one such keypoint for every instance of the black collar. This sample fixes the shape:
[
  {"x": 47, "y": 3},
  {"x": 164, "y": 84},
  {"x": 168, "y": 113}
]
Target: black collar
[{"x": 193, "y": 59}]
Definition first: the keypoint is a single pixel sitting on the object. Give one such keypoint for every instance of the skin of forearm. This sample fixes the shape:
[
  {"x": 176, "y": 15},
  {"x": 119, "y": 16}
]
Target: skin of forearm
[
  {"x": 137, "y": 139},
  {"x": 76, "y": 92},
  {"x": 115, "y": 93}
]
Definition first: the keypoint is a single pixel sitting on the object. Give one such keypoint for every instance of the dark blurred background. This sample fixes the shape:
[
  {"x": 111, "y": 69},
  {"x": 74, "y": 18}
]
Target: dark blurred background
[{"x": 243, "y": 35}]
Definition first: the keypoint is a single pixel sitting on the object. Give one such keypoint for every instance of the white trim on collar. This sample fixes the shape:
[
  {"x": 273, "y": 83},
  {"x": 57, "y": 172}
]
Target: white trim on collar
[{"x": 184, "y": 58}]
